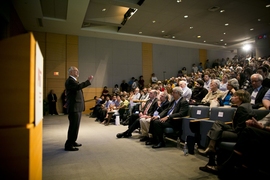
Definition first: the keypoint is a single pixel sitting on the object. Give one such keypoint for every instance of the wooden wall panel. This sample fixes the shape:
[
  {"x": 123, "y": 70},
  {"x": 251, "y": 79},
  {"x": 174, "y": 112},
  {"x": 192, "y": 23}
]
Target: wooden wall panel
[
  {"x": 203, "y": 56},
  {"x": 56, "y": 51},
  {"x": 147, "y": 61}
]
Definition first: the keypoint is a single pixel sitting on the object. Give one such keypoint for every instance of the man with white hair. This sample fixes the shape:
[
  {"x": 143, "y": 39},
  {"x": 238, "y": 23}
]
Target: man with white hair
[
  {"x": 178, "y": 108},
  {"x": 214, "y": 92},
  {"x": 186, "y": 91},
  {"x": 257, "y": 91}
]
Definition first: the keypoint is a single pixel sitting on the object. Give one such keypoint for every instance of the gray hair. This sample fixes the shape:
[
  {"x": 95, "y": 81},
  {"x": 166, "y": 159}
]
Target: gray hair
[
  {"x": 71, "y": 68},
  {"x": 256, "y": 75},
  {"x": 234, "y": 83},
  {"x": 216, "y": 81},
  {"x": 178, "y": 90}
]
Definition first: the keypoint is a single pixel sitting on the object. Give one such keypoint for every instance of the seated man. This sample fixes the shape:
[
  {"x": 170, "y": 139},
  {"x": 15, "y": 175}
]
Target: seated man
[
  {"x": 123, "y": 105},
  {"x": 147, "y": 111},
  {"x": 257, "y": 91},
  {"x": 145, "y": 120},
  {"x": 214, "y": 92},
  {"x": 186, "y": 91},
  {"x": 179, "y": 107},
  {"x": 198, "y": 93}
]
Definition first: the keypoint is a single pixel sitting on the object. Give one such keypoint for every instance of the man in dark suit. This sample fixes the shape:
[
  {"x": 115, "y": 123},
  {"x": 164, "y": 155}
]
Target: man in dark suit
[
  {"x": 179, "y": 107},
  {"x": 52, "y": 98},
  {"x": 257, "y": 91},
  {"x": 148, "y": 110},
  {"x": 75, "y": 106}
]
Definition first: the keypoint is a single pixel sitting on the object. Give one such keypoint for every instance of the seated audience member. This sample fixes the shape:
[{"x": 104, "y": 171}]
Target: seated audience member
[
  {"x": 163, "y": 103},
  {"x": 223, "y": 132},
  {"x": 133, "y": 105},
  {"x": 257, "y": 91},
  {"x": 104, "y": 108},
  {"x": 99, "y": 102},
  {"x": 213, "y": 93},
  {"x": 266, "y": 100},
  {"x": 123, "y": 106},
  {"x": 147, "y": 111},
  {"x": 264, "y": 72},
  {"x": 207, "y": 80},
  {"x": 116, "y": 89},
  {"x": 224, "y": 82},
  {"x": 198, "y": 93},
  {"x": 251, "y": 151},
  {"x": 179, "y": 107},
  {"x": 105, "y": 91},
  {"x": 232, "y": 86},
  {"x": 186, "y": 91}
]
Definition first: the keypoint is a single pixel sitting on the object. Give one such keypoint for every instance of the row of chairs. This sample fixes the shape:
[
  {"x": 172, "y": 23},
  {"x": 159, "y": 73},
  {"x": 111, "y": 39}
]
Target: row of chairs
[{"x": 201, "y": 119}]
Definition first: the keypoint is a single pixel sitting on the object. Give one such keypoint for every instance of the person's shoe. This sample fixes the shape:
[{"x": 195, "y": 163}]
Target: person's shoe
[
  {"x": 207, "y": 151},
  {"x": 159, "y": 145},
  {"x": 123, "y": 134},
  {"x": 71, "y": 149},
  {"x": 77, "y": 144},
  {"x": 148, "y": 143},
  {"x": 209, "y": 169},
  {"x": 144, "y": 138}
]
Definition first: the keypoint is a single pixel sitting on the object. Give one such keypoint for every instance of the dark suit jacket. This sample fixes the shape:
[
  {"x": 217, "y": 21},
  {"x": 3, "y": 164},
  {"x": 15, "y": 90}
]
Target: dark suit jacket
[
  {"x": 152, "y": 108},
  {"x": 243, "y": 113},
  {"x": 258, "y": 101},
  {"x": 75, "y": 99},
  {"x": 180, "y": 110},
  {"x": 163, "y": 106},
  {"x": 50, "y": 98}
]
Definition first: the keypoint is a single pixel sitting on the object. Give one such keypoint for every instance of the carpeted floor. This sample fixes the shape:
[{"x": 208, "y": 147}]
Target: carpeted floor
[{"x": 105, "y": 157}]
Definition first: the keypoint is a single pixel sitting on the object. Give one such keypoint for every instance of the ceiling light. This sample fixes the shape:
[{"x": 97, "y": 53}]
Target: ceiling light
[
  {"x": 198, "y": 36},
  {"x": 178, "y": 1},
  {"x": 103, "y": 9},
  {"x": 153, "y": 21},
  {"x": 128, "y": 15},
  {"x": 259, "y": 19},
  {"x": 268, "y": 5},
  {"x": 251, "y": 29},
  {"x": 173, "y": 37},
  {"x": 222, "y": 10},
  {"x": 227, "y": 24},
  {"x": 162, "y": 31},
  {"x": 225, "y": 44},
  {"x": 140, "y": 32},
  {"x": 204, "y": 41},
  {"x": 224, "y": 33},
  {"x": 186, "y": 16},
  {"x": 221, "y": 40},
  {"x": 190, "y": 27}
]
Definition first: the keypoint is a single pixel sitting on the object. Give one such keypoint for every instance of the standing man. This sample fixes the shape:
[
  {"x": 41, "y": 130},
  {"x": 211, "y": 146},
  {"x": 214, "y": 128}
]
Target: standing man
[{"x": 75, "y": 106}]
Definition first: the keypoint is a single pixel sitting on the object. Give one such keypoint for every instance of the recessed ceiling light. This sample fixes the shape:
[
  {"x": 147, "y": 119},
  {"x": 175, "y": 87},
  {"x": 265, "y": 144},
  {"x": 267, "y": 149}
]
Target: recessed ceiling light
[
  {"x": 173, "y": 37},
  {"x": 178, "y": 1},
  {"x": 225, "y": 44},
  {"x": 221, "y": 40},
  {"x": 227, "y": 24},
  {"x": 198, "y": 36},
  {"x": 103, "y": 9},
  {"x": 251, "y": 29},
  {"x": 140, "y": 32},
  {"x": 268, "y": 5},
  {"x": 222, "y": 10},
  {"x": 224, "y": 33},
  {"x": 153, "y": 21},
  {"x": 186, "y": 16},
  {"x": 190, "y": 27},
  {"x": 259, "y": 19},
  {"x": 204, "y": 41},
  {"x": 162, "y": 31}
]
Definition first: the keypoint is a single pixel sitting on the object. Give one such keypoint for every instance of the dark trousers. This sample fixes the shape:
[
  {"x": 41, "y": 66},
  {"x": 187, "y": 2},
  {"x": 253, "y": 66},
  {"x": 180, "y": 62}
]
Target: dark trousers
[
  {"x": 158, "y": 129},
  {"x": 220, "y": 131},
  {"x": 52, "y": 108},
  {"x": 73, "y": 129}
]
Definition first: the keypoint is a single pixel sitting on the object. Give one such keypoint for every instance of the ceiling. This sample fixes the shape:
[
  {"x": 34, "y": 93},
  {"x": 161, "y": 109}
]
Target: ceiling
[{"x": 155, "y": 21}]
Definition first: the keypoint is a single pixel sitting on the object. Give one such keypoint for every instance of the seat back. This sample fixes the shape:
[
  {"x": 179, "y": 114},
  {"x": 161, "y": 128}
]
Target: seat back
[
  {"x": 222, "y": 114},
  {"x": 260, "y": 113},
  {"x": 198, "y": 112}
]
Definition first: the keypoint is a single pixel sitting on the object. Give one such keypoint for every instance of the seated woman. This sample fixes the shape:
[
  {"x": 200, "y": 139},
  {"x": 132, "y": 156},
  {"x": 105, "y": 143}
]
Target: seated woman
[
  {"x": 232, "y": 86},
  {"x": 251, "y": 151},
  {"x": 223, "y": 132}
]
